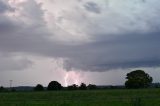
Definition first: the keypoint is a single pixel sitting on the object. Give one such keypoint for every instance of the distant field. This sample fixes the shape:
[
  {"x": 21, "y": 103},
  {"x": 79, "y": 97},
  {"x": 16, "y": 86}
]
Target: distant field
[{"x": 141, "y": 97}]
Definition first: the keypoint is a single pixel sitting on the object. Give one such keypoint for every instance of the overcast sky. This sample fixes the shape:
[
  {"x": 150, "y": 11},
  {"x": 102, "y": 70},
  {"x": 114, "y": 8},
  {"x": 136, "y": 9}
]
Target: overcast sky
[{"x": 74, "y": 41}]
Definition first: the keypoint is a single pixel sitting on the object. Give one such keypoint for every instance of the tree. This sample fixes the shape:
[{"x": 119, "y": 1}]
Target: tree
[
  {"x": 138, "y": 79},
  {"x": 54, "y": 85},
  {"x": 73, "y": 87},
  {"x": 83, "y": 86},
  {"x": 2, "y": 89},
  {"x": 39, "y": 87},
  {"x": 91, "y": 86}
]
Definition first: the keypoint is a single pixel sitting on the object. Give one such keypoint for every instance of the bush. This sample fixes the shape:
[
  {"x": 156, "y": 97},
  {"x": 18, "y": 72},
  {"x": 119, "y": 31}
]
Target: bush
[
  {"x": 54, "y": 85},
  {"x": 39, "y": 87},
  {"x": 83, "y": 86},
  {"x": 91, "y": 87},
  {"x": 138, "y": 79},
  {"x": 2, "y": 89},
  {"x": 72, "y": 87}
]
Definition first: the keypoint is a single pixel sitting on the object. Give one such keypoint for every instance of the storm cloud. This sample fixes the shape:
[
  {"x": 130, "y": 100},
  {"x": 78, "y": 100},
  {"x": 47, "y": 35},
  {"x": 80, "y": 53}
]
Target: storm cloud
[
  {"x": 92, "y": 7},
  {"x": 122, "y": 34},
  {"x": 4, "y": 7}
]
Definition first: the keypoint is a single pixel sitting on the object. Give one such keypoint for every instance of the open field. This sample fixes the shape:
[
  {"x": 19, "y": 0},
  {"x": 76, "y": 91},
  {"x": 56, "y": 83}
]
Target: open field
[{"x": 140, "y": 97}]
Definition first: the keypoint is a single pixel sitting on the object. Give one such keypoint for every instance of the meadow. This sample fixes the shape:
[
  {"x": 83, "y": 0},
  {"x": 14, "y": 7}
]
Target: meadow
[{"x": 115, "y": 97}]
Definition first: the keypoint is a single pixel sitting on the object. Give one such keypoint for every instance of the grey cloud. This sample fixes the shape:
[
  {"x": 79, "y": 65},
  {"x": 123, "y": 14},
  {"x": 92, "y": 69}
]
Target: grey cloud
[
  {"x": 18, "y": 36},
  {"x": 33, "y": 11},
  {"x": 92, "y": 7},
  {"x": 6, "y": 25},
  {"x": 127, "y": 50},
  {"x": 10, "y": 63},
  {"x": 4, "y": 7}
]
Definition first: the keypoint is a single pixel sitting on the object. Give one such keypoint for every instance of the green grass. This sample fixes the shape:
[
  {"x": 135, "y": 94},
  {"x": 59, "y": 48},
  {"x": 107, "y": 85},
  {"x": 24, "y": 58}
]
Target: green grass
[{"x": 140, "y": 97}]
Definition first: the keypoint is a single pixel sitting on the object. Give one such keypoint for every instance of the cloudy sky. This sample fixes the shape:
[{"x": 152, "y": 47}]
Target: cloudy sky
[{"x": 74, "y": 41}]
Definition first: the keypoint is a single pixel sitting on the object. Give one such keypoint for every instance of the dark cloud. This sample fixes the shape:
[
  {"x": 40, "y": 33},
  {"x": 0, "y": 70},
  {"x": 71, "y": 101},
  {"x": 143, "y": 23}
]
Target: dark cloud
[
  {"x": 4, "y": 7},
  {"x": 92, "y": 7},
  {"x": 31, "y": 36},
  {"x": 17, "y": 33},
  {"x": 6, "y": 25},
  {"x": 127, "y": 51}
]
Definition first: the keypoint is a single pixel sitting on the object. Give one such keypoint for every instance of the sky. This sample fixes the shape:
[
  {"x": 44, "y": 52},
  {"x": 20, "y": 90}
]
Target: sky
[{"x": 75, "y": 41}]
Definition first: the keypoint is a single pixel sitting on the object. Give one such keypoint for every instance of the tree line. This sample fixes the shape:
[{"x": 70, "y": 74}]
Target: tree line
[
  {"x": 54, "y": 85},
  {"x": 135, "y": 79}
]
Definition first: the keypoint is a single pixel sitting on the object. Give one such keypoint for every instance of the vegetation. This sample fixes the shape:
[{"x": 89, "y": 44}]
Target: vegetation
[
  {"x": 2, "y": 89},
  {"x": 54, "y": 85},
  {"x": 90, "y": 95},
  {"x": 138, "y": 79},
  {"x": 39, "y": 87},
  {"x": 83, "y": 86},
  {"x": 73, "y": 87},
  {"x": 123, "y": 97},
  {"x": 91, "y": 86}
]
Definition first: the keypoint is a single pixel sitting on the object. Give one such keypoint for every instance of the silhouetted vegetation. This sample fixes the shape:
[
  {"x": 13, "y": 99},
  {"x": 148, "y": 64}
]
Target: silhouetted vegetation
[
  {"x": 54, "y": 85},
  {"x": 135, "y": 79},
  {"x": 138, "y": 79},
  {"x": 91, "y": 87},
  {"x": 2, "y": 89},
  {"x": 83, "y": 86},
  {"x": 155, "y": 85},
  {"x": 39, "y": 87},
  {"x": 91, "y": 95},
  {"x": 72, "y": 87}
]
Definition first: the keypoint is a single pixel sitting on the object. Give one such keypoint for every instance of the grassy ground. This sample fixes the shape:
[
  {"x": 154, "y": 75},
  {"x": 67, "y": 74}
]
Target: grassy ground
[{"x": 140, "y": 97}]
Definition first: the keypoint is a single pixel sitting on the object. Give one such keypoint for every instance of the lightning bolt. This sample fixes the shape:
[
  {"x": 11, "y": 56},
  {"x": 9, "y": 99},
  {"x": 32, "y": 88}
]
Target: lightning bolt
[{"x": 65, "y": 79}]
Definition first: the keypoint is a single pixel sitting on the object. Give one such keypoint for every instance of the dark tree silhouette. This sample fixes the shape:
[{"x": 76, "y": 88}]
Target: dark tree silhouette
[
  {"x": 2, "y": 89},
  {"x": 54, "y": 85},
  {"x": 72, "y": 87},
  {"x": 39, "y": 87},
  {"x": 91, "y": 86},
  {"x": 83, "y": 86},
  {"x": 138, "y": 79}
]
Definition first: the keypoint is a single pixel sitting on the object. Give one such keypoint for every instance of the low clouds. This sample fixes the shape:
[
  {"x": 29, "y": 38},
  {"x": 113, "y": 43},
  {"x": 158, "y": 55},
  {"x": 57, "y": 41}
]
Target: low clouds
[
  {"x": 122, "y": 34},
  {"x": 127, "y": 51},
  {"x": 14, "y": 63}
]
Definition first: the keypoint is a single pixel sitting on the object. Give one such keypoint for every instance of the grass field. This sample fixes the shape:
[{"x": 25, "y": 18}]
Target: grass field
[{"x": 140, "y": 97}]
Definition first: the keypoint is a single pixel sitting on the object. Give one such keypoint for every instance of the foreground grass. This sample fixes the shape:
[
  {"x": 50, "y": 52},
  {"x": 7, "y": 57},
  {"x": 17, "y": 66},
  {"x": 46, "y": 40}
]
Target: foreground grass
[{"x": 140, "y": 97}]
